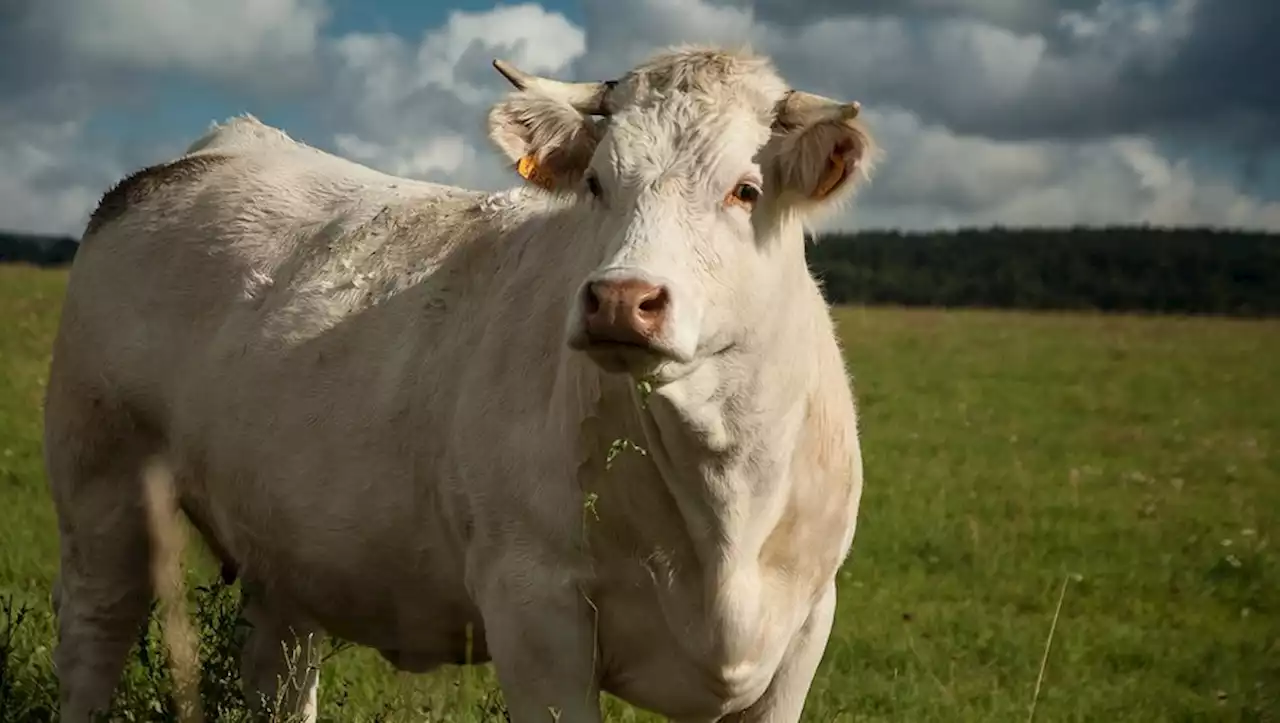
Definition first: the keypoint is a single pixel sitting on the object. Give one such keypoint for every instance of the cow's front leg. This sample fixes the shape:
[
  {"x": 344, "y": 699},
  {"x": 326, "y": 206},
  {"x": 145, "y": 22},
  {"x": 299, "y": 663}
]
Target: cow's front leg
[
  {"x": 540, "y": 630},
  {"x": 783, "y": 700},
  {"x": 279, "y": 669}
]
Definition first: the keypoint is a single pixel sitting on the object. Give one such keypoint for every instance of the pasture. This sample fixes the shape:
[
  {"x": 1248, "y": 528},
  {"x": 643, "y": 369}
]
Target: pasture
[{"x": 1136, "y": 460}]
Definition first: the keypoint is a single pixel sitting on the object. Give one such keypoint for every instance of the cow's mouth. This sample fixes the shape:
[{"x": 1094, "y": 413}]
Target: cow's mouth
[
  {"x": 599, "y": 344},
  {"x": 619, "y": 356},
  {"x": 623, "y": 356}
]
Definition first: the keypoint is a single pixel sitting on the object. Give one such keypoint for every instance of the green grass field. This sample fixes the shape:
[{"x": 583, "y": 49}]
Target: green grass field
[{"x": 1136, "y": 458}]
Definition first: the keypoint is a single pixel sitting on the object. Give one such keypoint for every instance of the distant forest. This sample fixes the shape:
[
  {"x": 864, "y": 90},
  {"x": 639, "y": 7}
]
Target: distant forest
[
  {"x": 36, "y": 249},
  {"x": 1132, "y": 268},
  {"x": 1180, "y": 271}
]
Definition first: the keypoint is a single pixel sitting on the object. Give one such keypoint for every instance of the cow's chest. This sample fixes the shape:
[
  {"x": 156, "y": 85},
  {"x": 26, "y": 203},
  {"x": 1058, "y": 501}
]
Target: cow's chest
[{"x": 667, "y": 646}]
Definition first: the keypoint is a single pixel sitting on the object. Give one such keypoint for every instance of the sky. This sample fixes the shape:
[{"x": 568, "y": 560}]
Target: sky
[{"x": 1011, "y": 112}]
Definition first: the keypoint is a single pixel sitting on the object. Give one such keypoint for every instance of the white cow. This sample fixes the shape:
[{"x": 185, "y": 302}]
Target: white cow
[{"x": 602, "y": 420}]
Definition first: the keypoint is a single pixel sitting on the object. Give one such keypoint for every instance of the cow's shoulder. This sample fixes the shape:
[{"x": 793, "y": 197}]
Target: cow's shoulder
[{"x": 145, "y": 182}]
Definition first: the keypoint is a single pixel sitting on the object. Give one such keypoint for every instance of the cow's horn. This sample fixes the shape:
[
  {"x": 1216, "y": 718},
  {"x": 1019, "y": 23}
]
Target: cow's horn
[
  {"x": 799, "y": 108},
  {"x": 590, "y": 98}
]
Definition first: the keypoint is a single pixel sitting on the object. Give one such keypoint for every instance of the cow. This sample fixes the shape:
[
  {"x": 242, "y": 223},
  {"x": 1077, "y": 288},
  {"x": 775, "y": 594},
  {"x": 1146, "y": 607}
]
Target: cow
[{"x": 595, "y": 429}]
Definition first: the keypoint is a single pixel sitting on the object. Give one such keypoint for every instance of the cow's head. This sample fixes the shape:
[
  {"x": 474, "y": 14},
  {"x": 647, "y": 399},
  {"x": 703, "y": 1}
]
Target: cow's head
[{"x": 689, "y": 177}]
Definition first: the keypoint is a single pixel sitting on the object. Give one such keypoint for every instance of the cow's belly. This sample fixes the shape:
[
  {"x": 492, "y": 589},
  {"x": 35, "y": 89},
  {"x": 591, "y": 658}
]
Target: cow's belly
[
  {"x": 414, "y": 617},
  {"x": 355, "y": 549}
]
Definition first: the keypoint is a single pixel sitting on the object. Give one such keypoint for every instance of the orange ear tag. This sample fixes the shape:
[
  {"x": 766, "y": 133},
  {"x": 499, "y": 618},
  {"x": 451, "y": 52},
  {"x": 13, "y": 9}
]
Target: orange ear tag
[
  {"x": 526, "y": 167},
  {"x": 832, "y": 178},
  {"x": 528, "y": 170}
]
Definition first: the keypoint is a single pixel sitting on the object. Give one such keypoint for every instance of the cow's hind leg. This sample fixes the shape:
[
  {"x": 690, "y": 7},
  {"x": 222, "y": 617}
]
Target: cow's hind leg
[
  {"x": 279, "y": 667},
  {"x": 103, "y": 591}
]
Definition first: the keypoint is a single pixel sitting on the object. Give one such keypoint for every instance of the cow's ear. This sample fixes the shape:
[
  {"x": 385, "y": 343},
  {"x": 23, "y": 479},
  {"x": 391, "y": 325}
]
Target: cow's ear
[
  {"x": 818, "y": 161},
  {"x": 548, "y": 142}
]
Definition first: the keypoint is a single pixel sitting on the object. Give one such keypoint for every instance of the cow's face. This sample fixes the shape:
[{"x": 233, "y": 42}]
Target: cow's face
[{"x": 684, "y": 175}]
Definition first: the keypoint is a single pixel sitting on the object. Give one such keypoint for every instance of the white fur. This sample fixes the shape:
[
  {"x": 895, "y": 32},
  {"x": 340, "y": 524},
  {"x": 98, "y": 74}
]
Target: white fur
[{"x": 364, "y": 388}]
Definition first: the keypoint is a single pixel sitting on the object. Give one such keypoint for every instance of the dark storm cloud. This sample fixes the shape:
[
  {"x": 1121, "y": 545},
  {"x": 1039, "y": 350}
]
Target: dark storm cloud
[
  {"x": 43, "y": 78},
  {"x": 1019, "y": 15},
  {"x": 1228, "y": 73},
  {"x": 35, "y": 79},
  {"x": 1219, "y": 80}
]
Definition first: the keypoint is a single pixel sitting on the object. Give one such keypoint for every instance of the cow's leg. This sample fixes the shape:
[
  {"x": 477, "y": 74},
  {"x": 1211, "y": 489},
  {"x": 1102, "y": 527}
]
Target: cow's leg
[
  {"x": 103, "y": 591},
  {"x": 279, "y": 665},
  {"x": 783, "y": 700},
  {"x": 540, "y": 635}
]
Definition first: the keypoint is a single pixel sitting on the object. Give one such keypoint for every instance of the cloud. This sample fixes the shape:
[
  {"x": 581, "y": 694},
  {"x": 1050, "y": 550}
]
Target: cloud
[
  {"x": 420, "y": 108},
  {"x": 231, "y": 40},
  {"x": 436, "y": 156},
  {"x": 50, "y": 182},
  {"x": 101, "y": 47},
  {"x": 623, "y": 34},
  {"x": 69, "y": 60},
  {"x": 935, "y": 177},
  {"x": 958, "y": 70}
]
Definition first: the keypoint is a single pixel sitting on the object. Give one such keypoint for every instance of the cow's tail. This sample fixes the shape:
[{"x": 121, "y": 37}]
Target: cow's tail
[{"x": 167, "y": 543}]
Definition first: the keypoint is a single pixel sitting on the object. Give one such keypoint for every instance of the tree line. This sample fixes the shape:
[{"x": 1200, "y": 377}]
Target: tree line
[
  {"x": 1120, "y": 268},
  {"x": 37, "y": 249},
  {"x": 1133, "y": 268}
]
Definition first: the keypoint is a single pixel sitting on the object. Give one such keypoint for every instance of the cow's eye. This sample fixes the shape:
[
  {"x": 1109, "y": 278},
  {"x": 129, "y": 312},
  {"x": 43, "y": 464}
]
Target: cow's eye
[
  {"x": 744, "y": 194},
  {"x": 593, "y": 185}
]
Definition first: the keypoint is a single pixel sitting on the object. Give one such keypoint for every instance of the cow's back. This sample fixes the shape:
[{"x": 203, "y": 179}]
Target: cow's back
[{"x": 178, "y": 248}]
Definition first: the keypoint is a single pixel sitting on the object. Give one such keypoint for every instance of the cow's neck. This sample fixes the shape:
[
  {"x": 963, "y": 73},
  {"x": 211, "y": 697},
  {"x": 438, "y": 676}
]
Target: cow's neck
[{"x": 721, "y": 439}]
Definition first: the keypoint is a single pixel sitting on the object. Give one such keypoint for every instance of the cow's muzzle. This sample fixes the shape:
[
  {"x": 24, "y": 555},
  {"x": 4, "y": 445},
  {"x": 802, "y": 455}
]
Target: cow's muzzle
[
  {"x": 624, "y": 311},
  {"x": 623, "y": 321}
]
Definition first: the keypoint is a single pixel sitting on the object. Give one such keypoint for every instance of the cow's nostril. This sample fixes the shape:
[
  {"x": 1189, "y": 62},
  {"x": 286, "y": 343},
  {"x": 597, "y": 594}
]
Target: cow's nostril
[
  {"x": 655, "y": 302},
  {"x": 590, "y": 299}
]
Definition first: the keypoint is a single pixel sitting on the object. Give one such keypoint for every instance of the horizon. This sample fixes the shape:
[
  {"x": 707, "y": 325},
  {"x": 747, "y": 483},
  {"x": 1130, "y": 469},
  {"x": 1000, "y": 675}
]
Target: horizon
[
  {"x": 1064, "y": 229},
  {"x": 1035, "y": 114}
]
